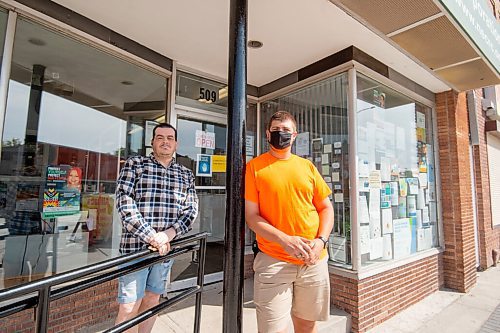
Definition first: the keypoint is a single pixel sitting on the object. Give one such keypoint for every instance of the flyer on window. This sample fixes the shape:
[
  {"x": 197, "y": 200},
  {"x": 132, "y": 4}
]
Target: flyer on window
[
  {"x": 204, "y": 165},
  {"x": 61, "y": 195}
]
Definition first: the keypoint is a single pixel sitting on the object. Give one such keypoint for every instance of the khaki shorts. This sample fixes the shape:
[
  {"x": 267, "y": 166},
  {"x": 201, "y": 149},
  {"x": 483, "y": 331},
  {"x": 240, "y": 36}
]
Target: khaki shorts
[{"x": 281, "y": 289}]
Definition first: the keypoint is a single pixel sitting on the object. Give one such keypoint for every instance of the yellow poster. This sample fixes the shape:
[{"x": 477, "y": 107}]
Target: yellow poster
[
  {"x": 218, "y": 163},
  {"x": 104, "y": 205}
]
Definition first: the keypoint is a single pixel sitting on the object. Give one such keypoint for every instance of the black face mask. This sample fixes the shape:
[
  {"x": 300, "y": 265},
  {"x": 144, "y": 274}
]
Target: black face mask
[{"x": 280, "y": 139}]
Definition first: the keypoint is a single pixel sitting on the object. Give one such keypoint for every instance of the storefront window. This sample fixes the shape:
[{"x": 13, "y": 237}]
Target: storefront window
[
  {"x": 321, "y": 114},
  {"x": 397, "y": 212},
  {"x": 74, "y": 113}
]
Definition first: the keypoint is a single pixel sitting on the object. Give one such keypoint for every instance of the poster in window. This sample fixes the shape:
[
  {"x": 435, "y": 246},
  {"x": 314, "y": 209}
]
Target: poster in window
[
  {"x": 402, "y": 238},
  {"x": 61, "y": 195},
  {"x": 204, "y": 165},
  {"x": 219, "y": 163},
  {"x": 317, "y": 145},
  {"x": 249, "y": 145},
  {"x": 302, "y": 144}
]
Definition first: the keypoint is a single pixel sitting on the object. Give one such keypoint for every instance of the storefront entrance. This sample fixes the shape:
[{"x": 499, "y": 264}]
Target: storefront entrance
[{"x": 202, "y": 148}]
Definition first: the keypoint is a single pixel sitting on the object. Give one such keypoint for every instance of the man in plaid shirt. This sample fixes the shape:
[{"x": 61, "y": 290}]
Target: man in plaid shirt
[{"x": 157, "y": 201}]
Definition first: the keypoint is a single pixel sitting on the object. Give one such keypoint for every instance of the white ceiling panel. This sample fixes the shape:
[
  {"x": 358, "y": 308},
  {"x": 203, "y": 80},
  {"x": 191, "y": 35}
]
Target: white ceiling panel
[{"x": 295, "y": 33}]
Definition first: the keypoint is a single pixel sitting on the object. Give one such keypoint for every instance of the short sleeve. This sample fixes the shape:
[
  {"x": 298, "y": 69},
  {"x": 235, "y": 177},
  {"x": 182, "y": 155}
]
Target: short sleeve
[
  {"x": 251, "y": 193},
  {"x": 321, "y": 189}
]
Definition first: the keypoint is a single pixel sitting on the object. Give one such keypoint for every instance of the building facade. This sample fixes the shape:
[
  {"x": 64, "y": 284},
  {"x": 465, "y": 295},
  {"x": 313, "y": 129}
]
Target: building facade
[{"x": 394, "y": 117}]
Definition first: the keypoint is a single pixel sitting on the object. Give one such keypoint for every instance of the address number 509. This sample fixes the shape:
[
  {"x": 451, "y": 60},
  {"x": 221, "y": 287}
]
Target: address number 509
[{"x": 209, "y": 95}]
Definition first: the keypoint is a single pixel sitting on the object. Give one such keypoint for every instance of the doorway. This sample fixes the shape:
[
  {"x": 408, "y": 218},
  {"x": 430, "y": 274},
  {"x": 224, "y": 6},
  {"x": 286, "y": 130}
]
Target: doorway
[{"x": 202, "y": 148}]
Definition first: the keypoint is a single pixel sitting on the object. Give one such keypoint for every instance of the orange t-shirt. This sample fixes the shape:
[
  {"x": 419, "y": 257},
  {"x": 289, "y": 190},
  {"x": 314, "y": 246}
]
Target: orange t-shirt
[{"x": 287, "y": 192}]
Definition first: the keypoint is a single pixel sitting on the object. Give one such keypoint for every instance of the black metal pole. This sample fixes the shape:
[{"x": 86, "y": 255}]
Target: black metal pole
[
  {"x": 201, "y": 276},
  {"x": 42, "y": 313},
  {"x": 235, "y": 207}
]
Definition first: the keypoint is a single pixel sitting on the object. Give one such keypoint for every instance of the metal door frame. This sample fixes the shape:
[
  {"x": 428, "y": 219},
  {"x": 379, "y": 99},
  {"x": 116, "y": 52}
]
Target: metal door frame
[{"x": 186, "y": 112}]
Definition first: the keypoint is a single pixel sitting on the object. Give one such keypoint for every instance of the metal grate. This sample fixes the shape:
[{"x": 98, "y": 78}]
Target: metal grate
[
  {"x": 436, "y": 43},
  {"x": 391, "y": 15}
]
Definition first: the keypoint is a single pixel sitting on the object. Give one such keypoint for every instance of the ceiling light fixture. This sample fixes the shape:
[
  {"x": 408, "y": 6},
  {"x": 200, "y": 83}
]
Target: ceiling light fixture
[{"x": 254, "y": 44}]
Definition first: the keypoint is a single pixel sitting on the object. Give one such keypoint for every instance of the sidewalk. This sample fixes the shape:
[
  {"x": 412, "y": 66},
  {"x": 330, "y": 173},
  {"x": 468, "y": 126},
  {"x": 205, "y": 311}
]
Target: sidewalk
[
  {"x": 447, "y": 311},
  {"x": 180, "y": 318},
  {"x": 441, "y": 312}
]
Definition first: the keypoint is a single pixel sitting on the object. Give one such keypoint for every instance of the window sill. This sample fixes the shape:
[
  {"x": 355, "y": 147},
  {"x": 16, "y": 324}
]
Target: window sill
[{"x": 376, "y": 269}]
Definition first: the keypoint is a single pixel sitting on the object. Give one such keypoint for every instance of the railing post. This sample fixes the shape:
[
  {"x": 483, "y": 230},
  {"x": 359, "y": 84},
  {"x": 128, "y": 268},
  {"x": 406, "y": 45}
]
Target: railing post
[
  {"x": 42, "y": 311},
  {"x": 201, "y": 275}
]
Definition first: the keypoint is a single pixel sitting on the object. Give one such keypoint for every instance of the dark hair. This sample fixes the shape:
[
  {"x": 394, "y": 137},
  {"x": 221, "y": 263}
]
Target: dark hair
[
  {"x": 164, "y": 125},
  {"x": 282, "y": 116}
]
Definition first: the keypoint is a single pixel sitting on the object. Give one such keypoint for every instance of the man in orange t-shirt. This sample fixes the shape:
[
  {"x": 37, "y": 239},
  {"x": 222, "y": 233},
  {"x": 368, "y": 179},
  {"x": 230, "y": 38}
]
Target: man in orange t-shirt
[{"x": 287, "y": 205}]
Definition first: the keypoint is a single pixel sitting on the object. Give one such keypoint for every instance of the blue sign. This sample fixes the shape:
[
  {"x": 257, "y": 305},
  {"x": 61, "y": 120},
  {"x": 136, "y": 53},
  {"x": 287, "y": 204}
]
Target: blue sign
[{"x": 204, "y": 165}]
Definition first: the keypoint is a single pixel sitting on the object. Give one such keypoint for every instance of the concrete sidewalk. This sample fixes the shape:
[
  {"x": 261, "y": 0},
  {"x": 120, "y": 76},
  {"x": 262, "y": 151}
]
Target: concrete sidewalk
[
  {"x": 448, "y": 311},
  {"x": 180, "y": 318},
  {"x": 441, "y": 312}
]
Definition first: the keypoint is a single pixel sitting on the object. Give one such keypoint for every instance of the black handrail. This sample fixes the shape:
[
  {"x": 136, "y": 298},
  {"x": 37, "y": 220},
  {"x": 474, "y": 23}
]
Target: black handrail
[{"x": 98, "y": 273}]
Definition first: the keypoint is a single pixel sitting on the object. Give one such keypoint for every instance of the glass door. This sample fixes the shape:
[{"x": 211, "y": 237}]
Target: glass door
[{"x": 202, "y": 148}]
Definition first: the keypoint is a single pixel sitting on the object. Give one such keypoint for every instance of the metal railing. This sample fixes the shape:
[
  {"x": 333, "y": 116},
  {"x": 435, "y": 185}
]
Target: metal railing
[{"x": 92, "y": 275}]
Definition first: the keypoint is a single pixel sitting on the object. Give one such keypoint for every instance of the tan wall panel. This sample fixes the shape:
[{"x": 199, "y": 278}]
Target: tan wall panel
[
  {"x": 471, "y": 75},
  {"x": 391, "y": 15},
  {"x": 436, "y": 43}
]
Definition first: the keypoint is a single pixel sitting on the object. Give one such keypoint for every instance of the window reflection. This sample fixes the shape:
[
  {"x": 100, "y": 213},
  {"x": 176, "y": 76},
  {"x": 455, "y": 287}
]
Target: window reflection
[
  {"x": 74, "y": 113},
  {"x": 397, "y": 211}
]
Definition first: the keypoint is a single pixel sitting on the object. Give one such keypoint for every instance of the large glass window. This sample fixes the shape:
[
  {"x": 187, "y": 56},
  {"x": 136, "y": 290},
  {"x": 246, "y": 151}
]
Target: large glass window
[
  {"x": 321, "y": 114},
  {"x": 397, "y": 212},
  {"x": 74, "y": 113}
]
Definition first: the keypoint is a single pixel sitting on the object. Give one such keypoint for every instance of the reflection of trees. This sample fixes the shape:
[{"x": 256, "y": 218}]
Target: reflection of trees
[
  {"x": 119, "y": 152},
  {"x": 12, "y": 143}
]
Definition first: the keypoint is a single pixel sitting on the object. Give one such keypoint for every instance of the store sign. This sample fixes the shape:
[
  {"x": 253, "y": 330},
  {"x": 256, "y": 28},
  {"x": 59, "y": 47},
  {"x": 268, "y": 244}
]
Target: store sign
[
  {"x": 205, "y": 140},
  {"x": 477, "y": 20}
]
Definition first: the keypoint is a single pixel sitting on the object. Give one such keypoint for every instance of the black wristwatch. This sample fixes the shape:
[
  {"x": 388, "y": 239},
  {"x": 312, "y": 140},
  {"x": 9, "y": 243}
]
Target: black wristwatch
[{"x": 324, "y": 240}]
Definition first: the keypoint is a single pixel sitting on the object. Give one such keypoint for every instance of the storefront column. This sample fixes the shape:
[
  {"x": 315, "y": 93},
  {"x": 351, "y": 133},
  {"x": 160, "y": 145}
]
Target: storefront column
[
  {"x": 234, "y": 245},
  {"x": 486, "y": 232},
  {"x": 456, "y": 187}
]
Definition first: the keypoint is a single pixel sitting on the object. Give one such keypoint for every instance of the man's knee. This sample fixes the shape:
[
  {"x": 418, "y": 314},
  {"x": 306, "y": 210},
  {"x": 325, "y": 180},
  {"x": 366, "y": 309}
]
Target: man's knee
[
  {"x": 302, "y": 324},
  {"x": 129, "y": 308},
  {"x": 150, "y": 299}
]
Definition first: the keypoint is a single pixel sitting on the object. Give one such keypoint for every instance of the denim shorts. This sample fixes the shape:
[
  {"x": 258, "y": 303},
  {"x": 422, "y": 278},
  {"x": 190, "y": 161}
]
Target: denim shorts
[{"x": 131, "y": 287}]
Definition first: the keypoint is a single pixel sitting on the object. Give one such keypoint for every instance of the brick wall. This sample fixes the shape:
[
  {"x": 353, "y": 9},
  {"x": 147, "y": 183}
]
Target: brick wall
[
  {"x": 373, "y": 300},
  {"x": 76, "y": 312},
  {"x": 456, "y": 187},
  {"x": 344, "y": 296},
  {"x": 489, "y": 237}
]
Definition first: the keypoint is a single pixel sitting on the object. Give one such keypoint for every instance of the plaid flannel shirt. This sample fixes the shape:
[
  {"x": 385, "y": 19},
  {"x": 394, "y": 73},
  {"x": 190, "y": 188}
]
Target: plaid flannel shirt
[{"x": 151, "y": 198}]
